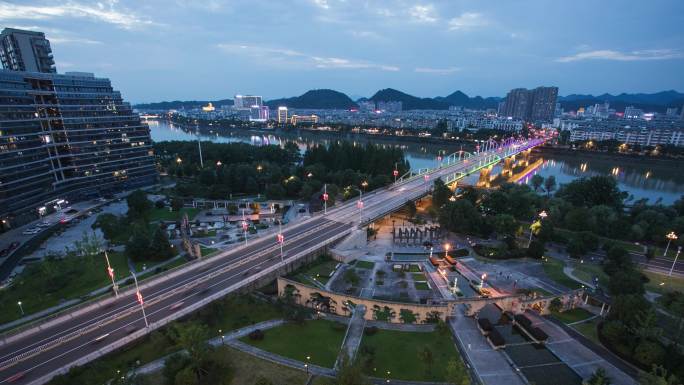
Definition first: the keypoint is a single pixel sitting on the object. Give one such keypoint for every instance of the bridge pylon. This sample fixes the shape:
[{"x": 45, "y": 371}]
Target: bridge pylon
[{"x": 485, "y": 177}]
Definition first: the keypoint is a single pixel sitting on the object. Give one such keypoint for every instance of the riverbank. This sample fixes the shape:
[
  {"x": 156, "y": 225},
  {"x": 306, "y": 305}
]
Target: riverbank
[{"x": 623, "y": 158}]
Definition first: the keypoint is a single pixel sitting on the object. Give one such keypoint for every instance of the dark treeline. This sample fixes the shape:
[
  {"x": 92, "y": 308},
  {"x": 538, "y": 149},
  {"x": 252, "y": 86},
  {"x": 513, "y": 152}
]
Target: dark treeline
[{"x": 237, "y": 169}]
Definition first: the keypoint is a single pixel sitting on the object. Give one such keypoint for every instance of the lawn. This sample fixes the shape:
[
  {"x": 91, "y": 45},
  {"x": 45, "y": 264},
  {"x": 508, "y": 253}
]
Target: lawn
[
  {"x": 165, "y": 215},
  {"x": 414, "y": 268},
  {"x": 588, "y": 329},
  {"x": 421, "y": 285},
  {"x": 587, "y": 272},
  {"x": 554, "y": 270},
  {"x": 46, "y": 284},
  {"x": 418, "y": 276},
  {"x": 365, "y": 264},
  {"x": 319, "y": 271},
  {"x": 319, "y": 339},
  {"x": 236, "y": 311},
  {"x": 572, "y": 315},
  {"x": 397, "y": 352},
  {"x": 662, "y": 283},
  {"x": 207, "y": 251}
]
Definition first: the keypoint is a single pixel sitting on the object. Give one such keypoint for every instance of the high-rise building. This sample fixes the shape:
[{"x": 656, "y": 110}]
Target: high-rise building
[
  {"x": 367, "y": 106},
  {"x": 66, "y": 137},
  {"x": 390, "y": 106},
  {"x": 247, "y": 101},
  {"x": 632, "y": 112},
  {"x": 538, "y": 104},
  {"x": 673, "y": 111},
  {"x": 26, "y": 51},
  {"x": 282, "y": 115}
]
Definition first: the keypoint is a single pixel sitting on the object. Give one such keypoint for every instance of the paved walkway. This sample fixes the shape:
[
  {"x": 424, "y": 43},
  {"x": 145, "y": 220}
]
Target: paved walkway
[
  {"x": 576, "y": 355},
  {"x": 353, "y": 337},
  {"x": 492, "y": 367}
]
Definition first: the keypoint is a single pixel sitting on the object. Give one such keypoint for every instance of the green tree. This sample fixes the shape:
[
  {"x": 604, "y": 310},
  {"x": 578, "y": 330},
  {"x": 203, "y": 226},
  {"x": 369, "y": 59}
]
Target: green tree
[
  {"x": 599, "y": 377},
  {"x": 110, "y": 225},
  {"x": 461, "y": 217},
  {"x": 555, "y": 305},
  {"x": 537, "y": 181},
  {"x": 349, "y": 373},
  {"x": 160, "y": 248},
  {"x": 456, "y": 372},
  {"x": 440, "y": 193},
  {"x": 550, "y": 184},
  {"x": 505, "y": 225},
  {"x": 176, "y": 204},
  {"x": 617, "y": 258},
  {"x": 139, "y": 206},
  {"x": 626, "y": 281},
  {"x": 138, "y": 246},
  {"x": 657, "y": 376}
]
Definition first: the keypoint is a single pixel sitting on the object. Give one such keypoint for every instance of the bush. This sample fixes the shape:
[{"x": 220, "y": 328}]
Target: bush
[
  {"x": 256, "y": 335},
  {"x": 649, "y": 353},
  {"x": 371, "y": 330}
]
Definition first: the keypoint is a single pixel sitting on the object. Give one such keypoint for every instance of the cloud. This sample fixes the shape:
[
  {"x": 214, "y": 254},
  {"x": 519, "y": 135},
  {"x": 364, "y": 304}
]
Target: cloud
[
  {"x": 106, "y": 12},
  {"x": 423, "y": 13},
  {"x": 437, "y": 71},
  {"x": 466, "y": 21},
  {"x": 300, "y": 58},
  {"x": 367, "y": 35},
  {"x": 321, "y": 4},
  {"x": 651, "y": 54}
]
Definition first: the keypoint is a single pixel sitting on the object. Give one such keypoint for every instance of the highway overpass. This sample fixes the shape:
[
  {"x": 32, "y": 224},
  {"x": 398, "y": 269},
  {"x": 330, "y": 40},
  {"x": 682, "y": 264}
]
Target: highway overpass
[{"x": 37, "y": 352}]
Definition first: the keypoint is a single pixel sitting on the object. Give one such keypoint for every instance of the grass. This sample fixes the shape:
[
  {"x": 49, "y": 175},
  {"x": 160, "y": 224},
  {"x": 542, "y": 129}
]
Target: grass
[
  {"x": 397, "y": 352},
  {"x": 165, "y": 215},
  {"x": 662, "y": 283},
  {"x": 319, "y": 271},
  {"x": 414, "y": 269},
  {"x": 207, "y": 251},
  {"x": 589, "y": 330},
  {"x": 421, "y": 285},
  {"x": 47, "y": 284},
  {"x": 554, "y": 270},
  {"x": 365, "y": 264},
  {"x": 572, "y": 315},
  {"x": 418, "y": 276},
  {"x": 587, "y": 272},
  {"x": 319, "y": 339}
]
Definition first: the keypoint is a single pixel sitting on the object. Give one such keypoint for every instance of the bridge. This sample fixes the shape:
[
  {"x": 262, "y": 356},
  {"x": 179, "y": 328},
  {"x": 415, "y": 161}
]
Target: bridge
[{"x": 38, "y": 351}]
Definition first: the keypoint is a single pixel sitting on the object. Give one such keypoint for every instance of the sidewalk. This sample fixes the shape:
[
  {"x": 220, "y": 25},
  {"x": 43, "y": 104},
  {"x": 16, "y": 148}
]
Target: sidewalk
[{"x": 353, "y": 337}]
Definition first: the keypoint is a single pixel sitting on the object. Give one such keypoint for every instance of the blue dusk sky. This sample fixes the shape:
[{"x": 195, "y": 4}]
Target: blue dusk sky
[{"x": 210, "y": 49}]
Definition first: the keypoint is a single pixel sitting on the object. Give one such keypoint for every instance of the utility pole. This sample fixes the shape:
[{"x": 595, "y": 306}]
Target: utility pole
[
  {"x": 679, "y": 250},
  {"x": 325, "y": 199},
  {"x": 281, "y": 240},
  {"x": 244, "y": 225},
  {"x": 138, "y": 294},
  {"x": 199, "y": 143}
]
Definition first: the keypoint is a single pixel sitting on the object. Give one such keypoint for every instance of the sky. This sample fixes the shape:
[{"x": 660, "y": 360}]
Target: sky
[{"x": 156, "y": 50}]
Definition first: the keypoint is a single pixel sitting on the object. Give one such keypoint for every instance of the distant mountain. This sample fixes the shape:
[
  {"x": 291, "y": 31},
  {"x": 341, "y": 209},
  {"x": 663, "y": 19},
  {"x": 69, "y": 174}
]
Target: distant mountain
[
  {"x": 656, "y": 102},
  {"x": 177, "y": 104},
  {"x": 331, "y": 99},
  {"x": 315, "y": 99},
  {"x": 409, "y": 102}
]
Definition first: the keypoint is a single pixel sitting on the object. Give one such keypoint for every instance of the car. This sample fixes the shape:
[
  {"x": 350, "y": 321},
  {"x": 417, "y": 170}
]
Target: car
[
  {"x": 100, "y": 338},
  {"x": 176, "y": 306},
  {"x": 15, "y": 377},
  {"x": 28, "y": 232}
]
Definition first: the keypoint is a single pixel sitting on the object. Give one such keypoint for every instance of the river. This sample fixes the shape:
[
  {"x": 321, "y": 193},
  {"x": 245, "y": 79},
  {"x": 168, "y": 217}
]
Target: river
[{"x": 653, "y": 180}]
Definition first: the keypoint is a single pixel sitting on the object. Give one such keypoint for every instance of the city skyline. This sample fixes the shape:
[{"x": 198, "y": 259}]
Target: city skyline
[{"x": 155, "y": 52}]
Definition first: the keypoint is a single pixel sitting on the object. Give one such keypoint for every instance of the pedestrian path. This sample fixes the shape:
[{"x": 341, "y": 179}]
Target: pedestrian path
[{"x": 352, "y": 339}]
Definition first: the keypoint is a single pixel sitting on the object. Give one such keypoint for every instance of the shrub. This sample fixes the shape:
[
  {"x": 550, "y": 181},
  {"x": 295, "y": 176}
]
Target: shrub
[
  {"x": 371, "y": 330},
  {"x": 256, "y": 335}
]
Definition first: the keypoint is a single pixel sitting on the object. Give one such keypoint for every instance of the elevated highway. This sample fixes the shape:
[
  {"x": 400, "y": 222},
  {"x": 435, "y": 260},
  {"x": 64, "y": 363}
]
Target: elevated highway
[{"x": 39, "y": 351}]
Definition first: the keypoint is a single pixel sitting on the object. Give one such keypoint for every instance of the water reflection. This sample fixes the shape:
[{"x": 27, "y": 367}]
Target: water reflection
[{"x": 651, "y": 180}]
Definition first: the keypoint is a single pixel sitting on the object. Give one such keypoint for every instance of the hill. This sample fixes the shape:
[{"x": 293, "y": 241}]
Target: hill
[
  {"x": 409, "y": 102},
  {"x": 315, "y": 99}
]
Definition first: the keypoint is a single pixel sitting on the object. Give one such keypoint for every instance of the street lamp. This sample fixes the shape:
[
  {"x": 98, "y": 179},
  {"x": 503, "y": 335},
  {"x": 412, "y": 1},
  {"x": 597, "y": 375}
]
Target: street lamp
[
  {"x": 671, "y": 236},
  {"x": 244, "y": 225},
  {"x": 179, "y": 160},
  {"x": 359, "y": 204},
  {"x": 139, "y": 296},
  {"x": 426, "y": 177},
  {"x": 679, "y": 250},
  {"x": 325, "y": 199},
  {"x": 446, "y": 249},
  {"x": 110, "y": 271},
  {"x": 218, "y": 163},
  {"x": 281, "y": 239},
  {"x": 364, "y": 184},
  {"x": 20, "y": 307}
]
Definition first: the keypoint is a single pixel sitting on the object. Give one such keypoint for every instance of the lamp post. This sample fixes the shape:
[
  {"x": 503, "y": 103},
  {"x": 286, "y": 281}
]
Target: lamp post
[
  {"x": 671, "y": 236},
  {"x": 110, "y": 271},
  {"x": 244, "y": 226},
  {"x": 426, "y": 177},
  {"x": 446, "y": 249},
  {"x": 679, "y": 250},
  {"x": 281, "y": 240},
  {"x": 395, "y": 173},
  {"x": 359, "y": 204},
  {"x": 141, "y": 301},
  {"x": 20, "y": 307},
  {"x": 325, "y": 199},
  {"x": 542, "y": 215}
]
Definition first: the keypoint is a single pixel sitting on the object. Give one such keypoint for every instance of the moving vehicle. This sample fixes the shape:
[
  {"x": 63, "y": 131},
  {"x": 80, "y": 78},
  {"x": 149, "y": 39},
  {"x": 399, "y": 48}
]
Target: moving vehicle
[
  {"x": 176, "y": 305},
  {"x": 100, "y": 338}
]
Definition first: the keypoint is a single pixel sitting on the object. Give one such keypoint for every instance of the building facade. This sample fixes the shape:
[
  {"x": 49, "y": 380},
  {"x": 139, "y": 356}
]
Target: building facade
[
  {"x": 538, "y": 104},
  {"x": 66, "y": 137},
  {"x": 26, "y": 51}
]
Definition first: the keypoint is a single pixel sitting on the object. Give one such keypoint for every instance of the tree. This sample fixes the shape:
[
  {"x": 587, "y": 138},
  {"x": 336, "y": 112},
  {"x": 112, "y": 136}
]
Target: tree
[
  {"x": 599, "y": 377},
  {"x": 456, "y": 372},
  {"x": 555, "y": 305},
  {"x": 626, "y": 281},
  {"x": 505, "y": 225},
  {"x": 350, "y": 373},
  {"x": 160, "y": 248},
  {"x": 550, "y": 184},
  {"x": 617, "y": 258},
  {"x": 440, "y": 193},
  {"x": 537, "y": 181},
  {"x": 411, "y": 209},
  {"x": 138, "y": 246},
  {"x": 176, "y": 204},
  {"x": 139, "y": 206},
  {"x": 110, "y": 225},
  {"x": 657, "y": 376},
  {"x": 461, "y": 217},
  {"x": 427, "y": 357},
  {"x": 536, "y": 249},
  {"x": 650, "y": 253}
]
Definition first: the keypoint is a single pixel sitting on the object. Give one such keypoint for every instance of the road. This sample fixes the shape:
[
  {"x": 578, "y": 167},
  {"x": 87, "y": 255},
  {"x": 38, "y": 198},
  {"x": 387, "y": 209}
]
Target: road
[{"x": 37, "y": 356}]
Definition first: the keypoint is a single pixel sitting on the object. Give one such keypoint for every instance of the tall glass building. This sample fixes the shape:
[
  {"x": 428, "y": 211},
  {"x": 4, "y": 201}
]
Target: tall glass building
[{"x": 66, "y": 137}]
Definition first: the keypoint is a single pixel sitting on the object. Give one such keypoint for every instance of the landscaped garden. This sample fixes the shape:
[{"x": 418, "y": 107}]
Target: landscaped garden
[
  {"x": 407, "y": 356},
  {"x": 318, "y": 339},
  {"x": 573, "y": 315},
  {"x": 554, "y": 270}
]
